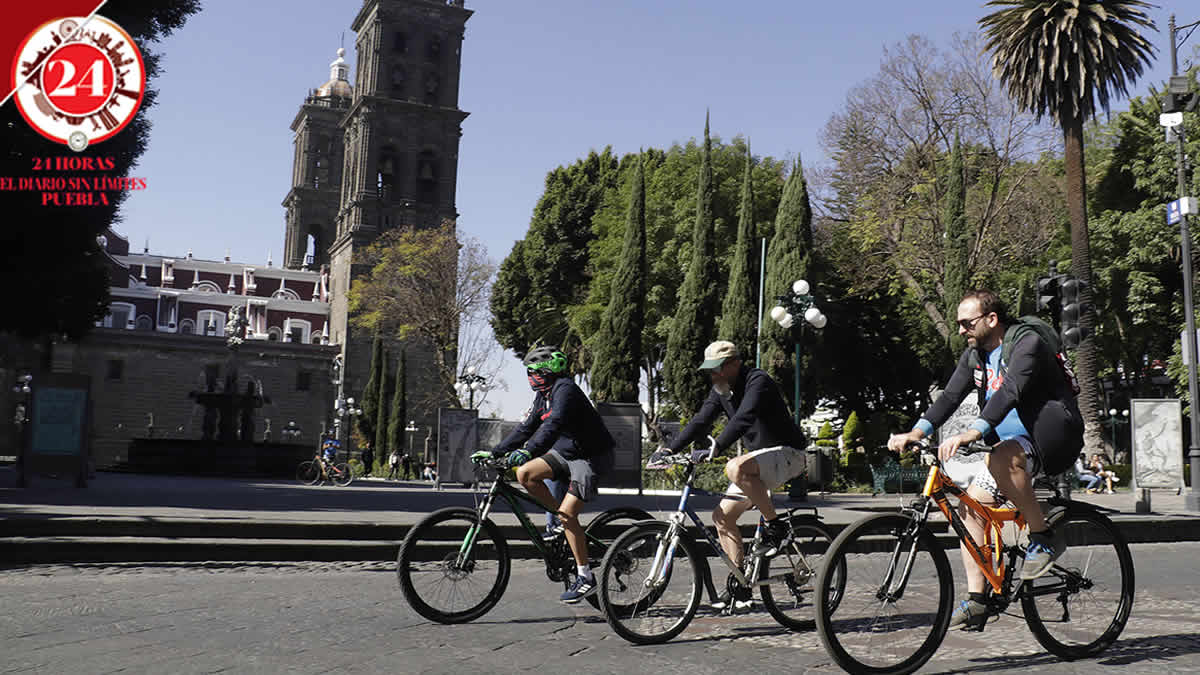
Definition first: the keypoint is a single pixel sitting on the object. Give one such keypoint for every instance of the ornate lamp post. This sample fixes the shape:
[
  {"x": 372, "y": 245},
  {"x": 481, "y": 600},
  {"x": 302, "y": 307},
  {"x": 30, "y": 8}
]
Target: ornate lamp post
[
  {"x": 1115, "y": 420},
  {"x": 291, "y": 433},
  {"x": 469, "y": 383},
  {"x": 342, "y": 407},
  {"x": 21, "y": 418},
  {"x": 798, "y": 303}
]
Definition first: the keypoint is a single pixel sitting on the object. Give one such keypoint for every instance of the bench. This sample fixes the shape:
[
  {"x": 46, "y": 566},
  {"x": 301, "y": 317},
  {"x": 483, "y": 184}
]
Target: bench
[{"x": 891, "y": 470}]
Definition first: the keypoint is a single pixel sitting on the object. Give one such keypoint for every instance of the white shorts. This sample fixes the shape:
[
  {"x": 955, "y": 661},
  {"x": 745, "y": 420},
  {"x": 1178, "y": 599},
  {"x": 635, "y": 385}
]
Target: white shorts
[
  {"x": 972, "y": 469},
  {"x": 776, "y": 466}
]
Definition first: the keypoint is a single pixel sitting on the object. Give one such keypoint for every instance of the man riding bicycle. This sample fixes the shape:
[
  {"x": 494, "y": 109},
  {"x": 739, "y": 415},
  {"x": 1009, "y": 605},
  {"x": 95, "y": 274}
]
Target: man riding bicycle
[
  {"x": 1030, "y": 415},
  {"x": 564, "y": 439},
  {"x": 757, "y": 414}
]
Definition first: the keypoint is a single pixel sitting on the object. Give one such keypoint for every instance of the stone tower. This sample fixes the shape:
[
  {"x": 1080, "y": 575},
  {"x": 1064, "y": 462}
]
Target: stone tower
[{"x": 395, "y": 136}]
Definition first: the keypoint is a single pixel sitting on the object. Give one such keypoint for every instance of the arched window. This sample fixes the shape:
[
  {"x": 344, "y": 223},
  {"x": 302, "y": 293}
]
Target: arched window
[
  {"x": 207, "y": 287},
  {"x": 187, "y": 327},
  {"x": 427, "y": 177},
  {"x": 144, "y": 322},
  {"x": 285, "y": 294},
  {"x": 211, "y": 322},
  {"x": 274, "y": 333}
]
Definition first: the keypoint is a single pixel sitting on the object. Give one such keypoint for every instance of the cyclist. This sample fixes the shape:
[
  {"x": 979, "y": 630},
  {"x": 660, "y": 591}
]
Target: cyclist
[
  {"x": 329, "y": 450},
  {"x": 759, "y": 416},
  {"x": 1031, "y": 417},
  {"x": 563, "y": 439}
]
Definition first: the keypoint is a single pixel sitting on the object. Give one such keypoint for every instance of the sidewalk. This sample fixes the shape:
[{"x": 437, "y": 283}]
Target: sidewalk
[{"x": 132, "y": 517}]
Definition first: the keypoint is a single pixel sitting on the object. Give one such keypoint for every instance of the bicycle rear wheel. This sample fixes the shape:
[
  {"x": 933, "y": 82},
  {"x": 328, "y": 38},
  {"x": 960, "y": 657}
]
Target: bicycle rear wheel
[
  {"x": 435, "y": 584},
  {"x": 308, "y": 472},
  {"x": 1081, "y": 605},
  {"x": 792, "y": 577},
  {"x": 887, "y": 620},
  {"x": 342, "y": 475},
  {"x": 639, "y": 609}
]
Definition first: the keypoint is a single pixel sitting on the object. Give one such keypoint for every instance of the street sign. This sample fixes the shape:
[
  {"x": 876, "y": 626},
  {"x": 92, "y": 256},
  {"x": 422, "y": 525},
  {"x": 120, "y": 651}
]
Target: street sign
[
  {"x": 1170, "y": 120},
  {"x": 1184, "y": 206}
]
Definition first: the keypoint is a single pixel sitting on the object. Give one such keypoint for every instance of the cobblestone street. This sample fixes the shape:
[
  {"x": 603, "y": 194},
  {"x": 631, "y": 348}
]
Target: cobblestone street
[{"x": 351, "y": 617}]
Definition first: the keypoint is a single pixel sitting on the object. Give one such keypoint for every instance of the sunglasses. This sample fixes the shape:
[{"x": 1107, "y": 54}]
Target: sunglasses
[{"x": 969, "y": 324}]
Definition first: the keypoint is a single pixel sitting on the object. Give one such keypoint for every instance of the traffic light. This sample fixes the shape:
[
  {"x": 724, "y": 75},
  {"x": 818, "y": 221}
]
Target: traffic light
[
  {"x": 1049, "y": 294},
  {"x": 1073, "y": 310},
  {"x": 1178, "y": 97}
]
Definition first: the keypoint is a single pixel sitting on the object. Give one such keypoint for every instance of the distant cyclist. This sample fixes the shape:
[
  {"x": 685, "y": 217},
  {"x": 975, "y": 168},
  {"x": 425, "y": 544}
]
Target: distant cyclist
[
  {"x": 1028, "y": 412},
  {"x": 563, "y": 439},
  {"x": 759, "y": 416}
]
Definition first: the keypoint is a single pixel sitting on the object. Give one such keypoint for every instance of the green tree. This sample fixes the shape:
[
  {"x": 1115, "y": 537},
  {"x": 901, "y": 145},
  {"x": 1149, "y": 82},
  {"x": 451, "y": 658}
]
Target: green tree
[
  {"x": 370, "y": 395},
  {"x": 789, "y": 257},
  {"x": 957, "y": 246},
  {"x": 399, "y": 412},
  {"x": 618, "y": 347},
  {"x": 67, "y": 297},
  {"x": 386, "y": 387},
  {"x": 1061, "y": 58},
  {"x": 852, "y": 434},
  {"x": 693, "y": 326},
  {"x": 739, "y": 311}
]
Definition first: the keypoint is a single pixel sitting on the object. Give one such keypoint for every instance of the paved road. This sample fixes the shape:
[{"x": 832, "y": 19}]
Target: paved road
[{"x": 351, "y": 617}]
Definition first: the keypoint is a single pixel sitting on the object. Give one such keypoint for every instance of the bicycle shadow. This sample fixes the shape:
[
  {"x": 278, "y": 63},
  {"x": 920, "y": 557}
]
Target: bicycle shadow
[{"x": 1160, "y": 648}]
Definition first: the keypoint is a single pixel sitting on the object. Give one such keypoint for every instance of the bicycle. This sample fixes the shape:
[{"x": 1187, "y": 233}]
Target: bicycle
[
  {"x": 460, "y": 554},
  {"x": 317, "y": 470},
  {"x": 642, "y": 603},
  {"x": 891, "y": 621}
]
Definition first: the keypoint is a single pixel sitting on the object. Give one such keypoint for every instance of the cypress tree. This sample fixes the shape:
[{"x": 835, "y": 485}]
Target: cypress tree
[
  {"x": 739, "y": 312},
  {"x": 618, "y": 346},
  {"x": 692, "y": 328},
  {"x": 399, "y": 413},
  {"x": 386, "y": 382},
  {"x": 789, "y": 257},
  {"x": 370, "y": 396},
  {"x": 956, "y": 243}
]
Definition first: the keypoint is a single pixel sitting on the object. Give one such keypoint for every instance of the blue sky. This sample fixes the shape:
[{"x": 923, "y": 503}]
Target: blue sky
[{"x": 544, "y": 82}]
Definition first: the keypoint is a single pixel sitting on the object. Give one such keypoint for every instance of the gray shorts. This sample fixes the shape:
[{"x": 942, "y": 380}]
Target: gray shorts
[{"x": 579, "y": 474}]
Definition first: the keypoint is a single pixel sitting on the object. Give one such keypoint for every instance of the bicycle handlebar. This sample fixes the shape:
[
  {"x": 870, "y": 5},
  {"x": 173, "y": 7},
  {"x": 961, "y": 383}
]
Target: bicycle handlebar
[{"x": 927, "y": 450}]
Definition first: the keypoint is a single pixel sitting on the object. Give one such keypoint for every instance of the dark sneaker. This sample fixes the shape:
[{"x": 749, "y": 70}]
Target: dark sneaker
[
  {"x": 579, "y": 590},
  {"x": 968, "y": 610},
  {"x": 775, "y": 536},
  {"x": 551, "y": 532},
  {"x": 726, "y": 597},
  {"x": 1042, "y": 552}
]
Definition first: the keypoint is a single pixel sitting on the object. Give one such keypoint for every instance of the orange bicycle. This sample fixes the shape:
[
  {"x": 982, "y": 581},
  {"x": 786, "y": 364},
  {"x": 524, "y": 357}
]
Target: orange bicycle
[{"x": 899, "y": 589}]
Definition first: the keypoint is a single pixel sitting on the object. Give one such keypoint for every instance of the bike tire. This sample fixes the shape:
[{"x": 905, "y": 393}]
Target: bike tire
[
  {"x": 427, "y": 559},
  {"x": 789, "y": 599},
  {"x": 644, "y": 615},
  {"x": 342, "y": 475},
  {"x": 1079, "y": 608},
  {"x": 601, "y": 532},
  {"x": 864, "y": 633},
  {"x": 307, "y": 472}
]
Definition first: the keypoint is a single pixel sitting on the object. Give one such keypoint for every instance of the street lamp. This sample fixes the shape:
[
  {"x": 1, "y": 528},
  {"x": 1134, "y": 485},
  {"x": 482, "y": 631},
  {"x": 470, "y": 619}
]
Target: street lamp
[
  {"x": 793, "y": 304},
  {"x": 291, "y": 432},
  {"x": 469, "y": 383},
  {"x": 1114, "y": 420}
]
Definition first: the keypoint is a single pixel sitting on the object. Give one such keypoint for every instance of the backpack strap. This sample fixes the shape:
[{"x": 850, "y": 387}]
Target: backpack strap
[{"x": 979, "y": 372}]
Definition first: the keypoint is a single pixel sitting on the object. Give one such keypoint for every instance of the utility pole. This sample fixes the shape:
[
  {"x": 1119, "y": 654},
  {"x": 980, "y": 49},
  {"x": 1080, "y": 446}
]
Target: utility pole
[{"x": 1176, "y": 102}]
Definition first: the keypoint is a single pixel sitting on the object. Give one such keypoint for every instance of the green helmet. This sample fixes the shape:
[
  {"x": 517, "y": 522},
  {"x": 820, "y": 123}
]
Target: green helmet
[{"x": 546, "y": 361}]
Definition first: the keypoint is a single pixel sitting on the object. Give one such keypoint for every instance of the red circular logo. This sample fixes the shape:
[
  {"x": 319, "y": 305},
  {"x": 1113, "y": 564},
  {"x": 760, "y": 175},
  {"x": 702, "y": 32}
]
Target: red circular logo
[{"x": 82, "y": 80}]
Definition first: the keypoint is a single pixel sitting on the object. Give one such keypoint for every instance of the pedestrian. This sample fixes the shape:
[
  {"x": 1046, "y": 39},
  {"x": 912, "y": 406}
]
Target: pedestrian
[
  {"x": 1098, "y": 467},
  {"x": 1085, "y": 473},
  {"x": 368, "y": 459},
  {"x": 393, "y": 464},
  {"x": 405, "y": 461}
]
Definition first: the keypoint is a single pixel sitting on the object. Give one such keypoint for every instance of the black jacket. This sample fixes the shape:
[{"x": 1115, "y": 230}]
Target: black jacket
[
  {"x": 755, "y": 410},
  {"x": 1035, "y": 386},
  {"x": 564, "y": 420}
]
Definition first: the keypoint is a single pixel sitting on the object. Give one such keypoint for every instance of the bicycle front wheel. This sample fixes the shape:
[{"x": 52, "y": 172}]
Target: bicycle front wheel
[
  {"x": 787, "y": 580},
  {"x": 442, "y": 585},
  {"x": 308, "y": 472},
  {"x": 643, "y": 602},
  {"x": 341, "y": 474},
  {"x": 1078, "y": 608},
  {"x": 897, "y": 595}
]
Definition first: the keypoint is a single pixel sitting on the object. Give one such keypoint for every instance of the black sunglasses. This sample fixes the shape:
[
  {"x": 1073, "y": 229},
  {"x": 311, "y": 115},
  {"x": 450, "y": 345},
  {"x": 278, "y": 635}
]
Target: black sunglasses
[{"x": 969, "y": 324}]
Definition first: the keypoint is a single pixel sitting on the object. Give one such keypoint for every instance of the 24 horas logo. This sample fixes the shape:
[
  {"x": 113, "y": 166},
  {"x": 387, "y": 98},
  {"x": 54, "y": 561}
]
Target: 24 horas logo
[{"x": 81, "y": 80}]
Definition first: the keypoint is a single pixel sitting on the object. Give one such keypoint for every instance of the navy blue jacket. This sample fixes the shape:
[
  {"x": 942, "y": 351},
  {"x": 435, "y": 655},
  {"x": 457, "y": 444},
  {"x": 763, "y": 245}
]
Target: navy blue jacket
[
  {"x": 756, "y": 411},
  {"x": 565, "y": 421}
]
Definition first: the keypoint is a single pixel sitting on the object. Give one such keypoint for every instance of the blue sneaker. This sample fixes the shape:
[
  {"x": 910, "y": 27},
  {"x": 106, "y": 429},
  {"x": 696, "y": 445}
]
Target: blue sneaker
[
  {"x": 582, "y": 588},
  {"x": 1042, "y": 552}
]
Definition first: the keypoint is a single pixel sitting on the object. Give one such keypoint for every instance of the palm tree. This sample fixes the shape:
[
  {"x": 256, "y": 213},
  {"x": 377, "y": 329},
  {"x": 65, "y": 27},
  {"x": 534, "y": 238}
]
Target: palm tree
[{"x": 1060, "y": 58}]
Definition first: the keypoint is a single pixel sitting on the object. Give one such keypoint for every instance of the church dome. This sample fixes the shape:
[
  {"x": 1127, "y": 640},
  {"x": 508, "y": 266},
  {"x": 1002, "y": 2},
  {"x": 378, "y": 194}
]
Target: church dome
[{"x": 337, "y": 85}]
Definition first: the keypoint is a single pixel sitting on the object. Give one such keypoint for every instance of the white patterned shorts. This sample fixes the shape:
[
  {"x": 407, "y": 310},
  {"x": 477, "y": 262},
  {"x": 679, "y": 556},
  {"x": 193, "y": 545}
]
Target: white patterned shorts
[
  {"x": 776, "y": 466},
  {"x": 972, "y": 469}
]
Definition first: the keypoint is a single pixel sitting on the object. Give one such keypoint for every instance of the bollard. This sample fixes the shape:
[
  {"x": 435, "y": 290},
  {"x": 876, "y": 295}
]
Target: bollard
[{"x": 1142, "y": 505}]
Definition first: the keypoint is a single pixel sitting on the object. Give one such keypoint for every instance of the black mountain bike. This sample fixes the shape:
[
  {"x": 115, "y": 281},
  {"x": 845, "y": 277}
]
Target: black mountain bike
[{"x": 454, "y": 565}]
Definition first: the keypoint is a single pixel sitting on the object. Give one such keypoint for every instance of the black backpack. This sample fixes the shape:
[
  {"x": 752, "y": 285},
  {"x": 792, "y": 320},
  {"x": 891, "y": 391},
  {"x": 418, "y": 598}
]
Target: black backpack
[{"x": 1017, "y": 330}]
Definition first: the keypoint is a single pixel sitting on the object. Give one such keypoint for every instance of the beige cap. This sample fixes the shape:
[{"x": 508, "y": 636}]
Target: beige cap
[{"x": 716, "y": 353}]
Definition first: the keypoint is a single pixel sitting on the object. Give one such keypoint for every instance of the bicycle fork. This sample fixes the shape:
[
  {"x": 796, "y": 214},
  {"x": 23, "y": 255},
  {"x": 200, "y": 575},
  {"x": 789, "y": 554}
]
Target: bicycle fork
[{"x": 892, "y": 588}]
